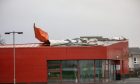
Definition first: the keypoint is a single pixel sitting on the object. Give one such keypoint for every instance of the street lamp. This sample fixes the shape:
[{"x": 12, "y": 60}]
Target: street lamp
[{"x": 14, "y": 53}]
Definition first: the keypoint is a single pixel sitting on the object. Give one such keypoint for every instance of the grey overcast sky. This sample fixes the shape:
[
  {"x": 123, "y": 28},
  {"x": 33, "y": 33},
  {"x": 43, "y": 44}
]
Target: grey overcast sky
[{"x": 64, "y": 19}]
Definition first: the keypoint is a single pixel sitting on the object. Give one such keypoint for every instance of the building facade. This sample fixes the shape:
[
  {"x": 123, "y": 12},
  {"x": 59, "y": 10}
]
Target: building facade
[
  {"x": 134, "y": 58},
  {"x": 36, "y": 63}
]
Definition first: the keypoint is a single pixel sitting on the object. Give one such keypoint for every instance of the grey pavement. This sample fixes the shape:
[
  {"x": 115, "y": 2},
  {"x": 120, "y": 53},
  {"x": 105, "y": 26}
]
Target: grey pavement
[{"x": 127, "y": 81}]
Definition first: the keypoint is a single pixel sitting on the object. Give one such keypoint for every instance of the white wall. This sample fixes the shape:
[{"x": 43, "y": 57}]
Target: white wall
[{"x": 131, "y": 63}]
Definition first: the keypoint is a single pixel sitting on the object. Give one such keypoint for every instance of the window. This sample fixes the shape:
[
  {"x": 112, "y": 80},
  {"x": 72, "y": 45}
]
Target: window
[
  {"x": 69, "y": 70},
  {"x": 54, "y": 70},
  {"x": 135, "y": 60},
  {"x": 82, "y": 71}
]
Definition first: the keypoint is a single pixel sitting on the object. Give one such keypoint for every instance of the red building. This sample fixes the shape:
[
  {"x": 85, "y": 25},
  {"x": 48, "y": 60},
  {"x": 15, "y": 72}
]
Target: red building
[{"x": 37, "y": 63}]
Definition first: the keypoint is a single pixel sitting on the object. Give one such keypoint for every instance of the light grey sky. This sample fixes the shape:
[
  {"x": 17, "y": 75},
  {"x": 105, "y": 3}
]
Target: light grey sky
[{"x": 64, "y": 19}]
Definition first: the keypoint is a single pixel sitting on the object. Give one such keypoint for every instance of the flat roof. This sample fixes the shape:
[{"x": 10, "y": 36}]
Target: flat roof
[
  {"x": 60, "y": 43},
  {"x": 21, "y": 45}
]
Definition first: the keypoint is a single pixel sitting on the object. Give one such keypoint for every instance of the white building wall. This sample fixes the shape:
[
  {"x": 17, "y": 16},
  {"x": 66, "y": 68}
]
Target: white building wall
[{"x": 131, "y": 63}]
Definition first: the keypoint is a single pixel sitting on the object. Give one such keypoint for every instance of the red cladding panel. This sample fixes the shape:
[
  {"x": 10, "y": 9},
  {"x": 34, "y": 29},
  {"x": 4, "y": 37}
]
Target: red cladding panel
[
  {"x": 31, "y": 65},
  {"x": 79, "y": 53},
  {"x": 6, "y": 65},
  {"x": 76, "y": 53},
  {"x": 119, "y": 51}
]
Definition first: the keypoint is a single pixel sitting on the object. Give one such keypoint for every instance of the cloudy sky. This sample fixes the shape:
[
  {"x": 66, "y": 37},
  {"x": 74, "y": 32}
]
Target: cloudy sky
[{"x": 64, "y": 19}]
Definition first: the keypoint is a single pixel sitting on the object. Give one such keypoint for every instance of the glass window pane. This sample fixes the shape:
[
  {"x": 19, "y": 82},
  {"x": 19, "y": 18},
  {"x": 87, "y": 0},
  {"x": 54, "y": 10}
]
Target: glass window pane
[
  {"x": 54, "y": 70},
  {"x": 98, "y": 65},
  {"x": 69, "y": 70},
  {"x": 86, "y": 70}
]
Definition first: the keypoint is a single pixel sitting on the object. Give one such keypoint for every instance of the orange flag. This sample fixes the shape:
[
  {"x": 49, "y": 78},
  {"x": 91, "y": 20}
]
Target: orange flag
[{"x": 41, "y": 35}]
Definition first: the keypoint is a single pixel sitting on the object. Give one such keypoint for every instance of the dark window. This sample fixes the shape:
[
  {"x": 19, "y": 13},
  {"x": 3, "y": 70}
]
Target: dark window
[{"x": 134, "y": 58}]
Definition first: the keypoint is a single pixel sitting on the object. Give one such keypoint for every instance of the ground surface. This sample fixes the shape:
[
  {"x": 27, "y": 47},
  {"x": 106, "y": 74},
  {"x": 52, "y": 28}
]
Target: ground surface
[{"x": 125, "y": 81}]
